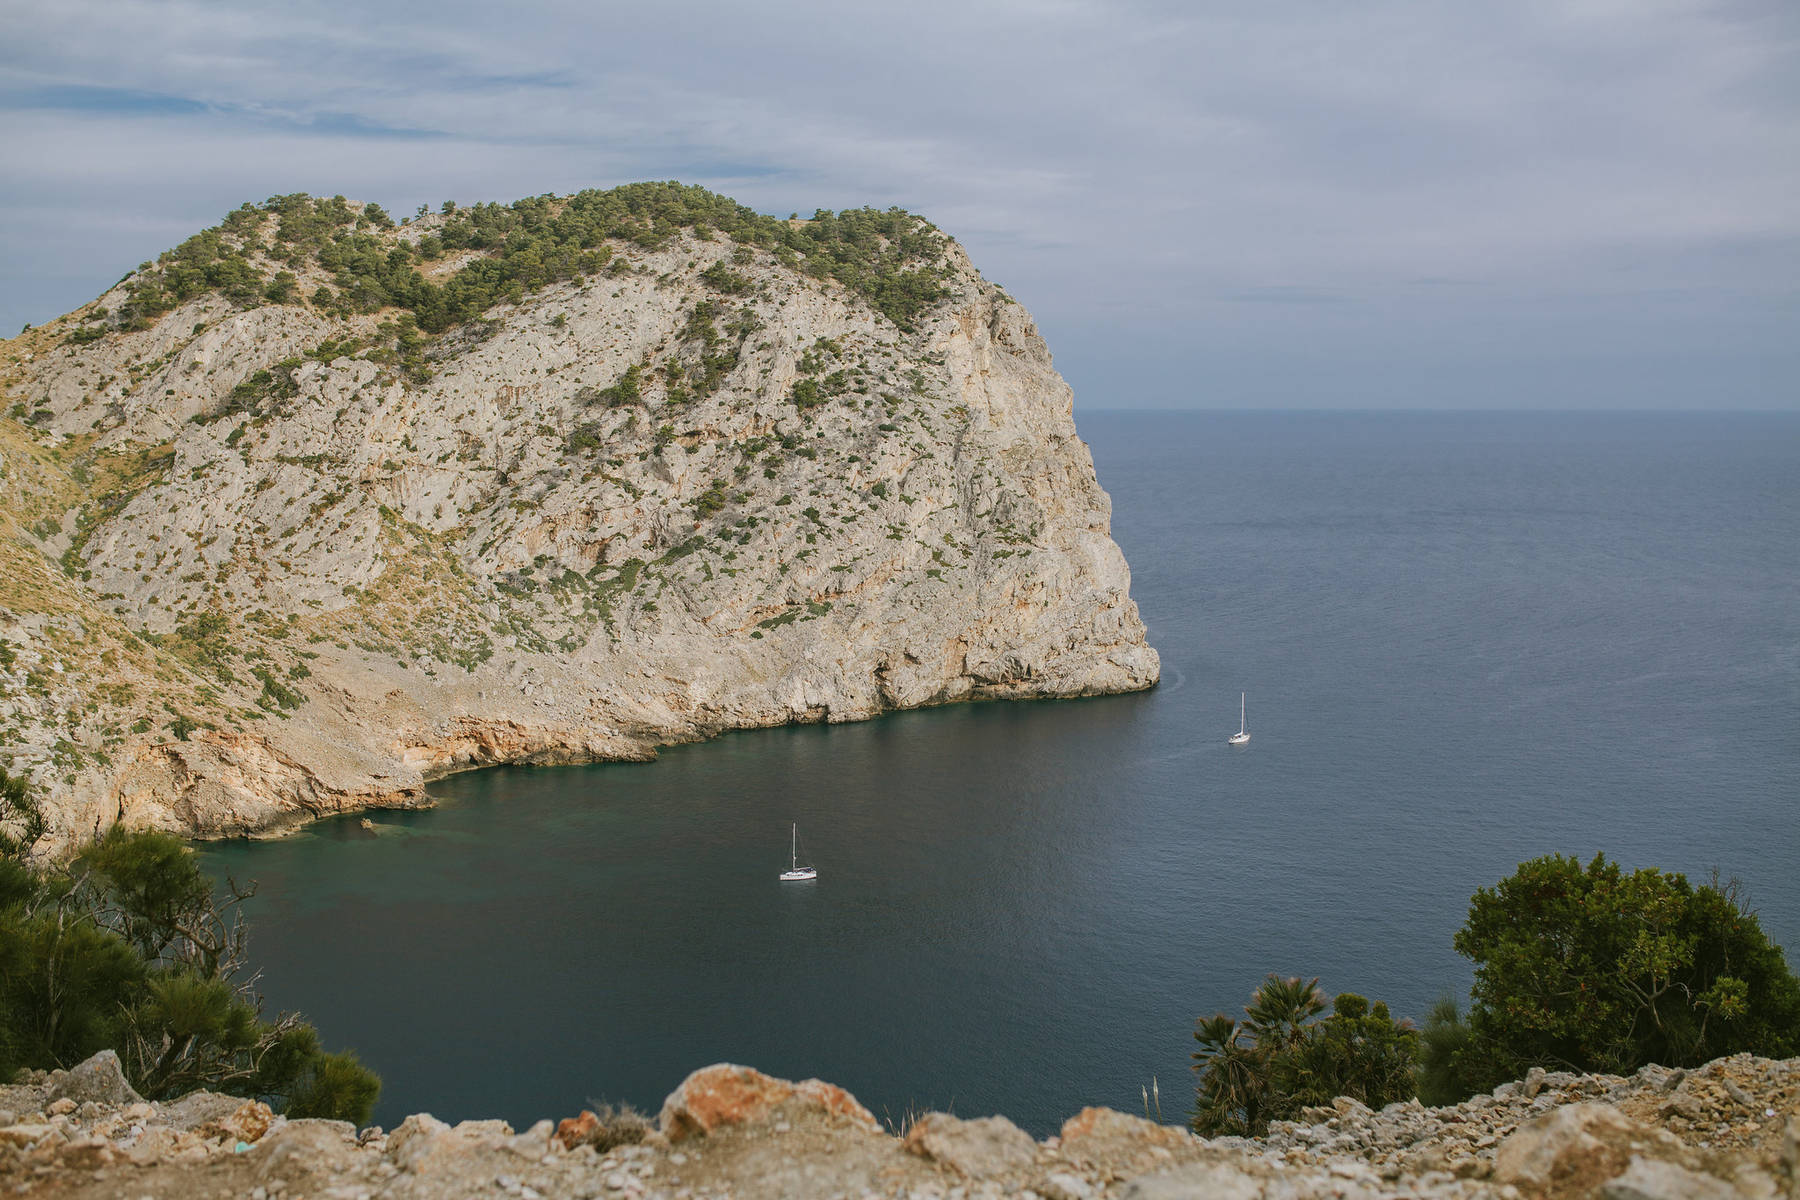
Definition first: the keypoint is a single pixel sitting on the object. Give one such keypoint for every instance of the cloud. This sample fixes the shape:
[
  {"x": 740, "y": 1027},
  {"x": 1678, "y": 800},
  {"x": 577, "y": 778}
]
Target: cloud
[{"x": 1137, "y": 166}]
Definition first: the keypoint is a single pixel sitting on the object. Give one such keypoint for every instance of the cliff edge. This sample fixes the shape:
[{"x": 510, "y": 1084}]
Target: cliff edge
[
  {"x": 320, "y": 506},
  {"x": 1727, "y": 1131}
]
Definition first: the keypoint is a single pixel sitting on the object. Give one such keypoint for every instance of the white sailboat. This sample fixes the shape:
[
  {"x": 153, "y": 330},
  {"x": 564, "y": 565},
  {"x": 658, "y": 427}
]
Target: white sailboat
[
  {"x": 1243, "y": 733},
  {"x": 796, "y": 871}
]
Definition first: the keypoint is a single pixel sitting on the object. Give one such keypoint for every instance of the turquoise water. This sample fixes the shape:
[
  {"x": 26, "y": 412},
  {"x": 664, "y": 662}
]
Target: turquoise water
[{"x": 1467, "y": 640}]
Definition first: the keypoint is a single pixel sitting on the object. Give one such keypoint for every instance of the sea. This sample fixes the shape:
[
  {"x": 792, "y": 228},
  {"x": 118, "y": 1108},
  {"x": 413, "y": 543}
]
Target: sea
[{"x": 1466, "y": 640}]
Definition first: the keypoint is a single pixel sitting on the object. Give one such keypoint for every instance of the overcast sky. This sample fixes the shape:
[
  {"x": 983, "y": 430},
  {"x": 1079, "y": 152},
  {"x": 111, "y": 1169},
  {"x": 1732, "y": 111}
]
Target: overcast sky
[{"x": 1273, "y": 203}]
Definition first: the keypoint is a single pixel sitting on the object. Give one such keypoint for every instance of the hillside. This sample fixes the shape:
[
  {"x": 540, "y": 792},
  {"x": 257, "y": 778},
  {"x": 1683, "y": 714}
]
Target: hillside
[{"x": 319, "y": 505}]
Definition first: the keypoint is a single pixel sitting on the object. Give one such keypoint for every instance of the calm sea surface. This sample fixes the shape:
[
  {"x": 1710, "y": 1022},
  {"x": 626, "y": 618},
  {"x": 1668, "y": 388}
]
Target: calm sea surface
[{"x": 1467, "y": 640}]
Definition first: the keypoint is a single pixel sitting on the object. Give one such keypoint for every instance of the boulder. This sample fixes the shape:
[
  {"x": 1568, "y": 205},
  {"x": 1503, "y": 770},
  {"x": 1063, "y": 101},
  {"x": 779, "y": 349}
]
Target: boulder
[
  {"x": 535, "y": 1142},
  {"x": 1576, "y": 1148},
  {"x": 425, "y": 1145},
  {"x": 197, "y": 1110},
  {"x": 410, "y": 1143},
  {"x": 981, "y": 1148},
  {"x": 22, "y": 1136},
  {"x": 99, "y": 1079},
  {"x": 316, "y": 1146},
  {"x": 1104, "y": 1135},
  {"x": 1196, "y": 1181},
  {"x": 725, "y": 1094},
  {"x": 717, "y": 1096},
  {"x": 161, "y": 1144},
  {"x": 245, "y": 1123},
  {"x": 834, "y": 1101},
  {"x": 1653, "y": 1179},
  {"x": 1060, "y": 1185},
  {"x": 575, "y": 1131}
]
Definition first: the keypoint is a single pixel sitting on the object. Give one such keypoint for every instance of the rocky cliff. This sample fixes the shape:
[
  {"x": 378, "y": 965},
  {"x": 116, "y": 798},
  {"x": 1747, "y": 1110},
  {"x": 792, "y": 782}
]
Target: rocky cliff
[
  {"x": 319, "y": 506},
  {"x": 1727, "y": 1131}
]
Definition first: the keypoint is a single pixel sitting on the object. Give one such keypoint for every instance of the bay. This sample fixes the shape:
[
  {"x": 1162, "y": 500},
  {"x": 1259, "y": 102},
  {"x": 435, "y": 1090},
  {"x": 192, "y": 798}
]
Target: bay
[{"x": 1468, "y": 639}]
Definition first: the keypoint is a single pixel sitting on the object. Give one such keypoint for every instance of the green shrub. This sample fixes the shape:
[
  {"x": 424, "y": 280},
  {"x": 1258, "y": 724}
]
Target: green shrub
[
  {"x": 628, "y": 389},
  {"x": 722, "y": 278},
  {"x": 712, "y": 500},
  {"x": 336, "y": 1087},
  {"x": 283, "y": 289},
  {"x": 1281, "y": 1058},
  {"x": 131, "y": 949},
  {"x": 1441, "y": 1045},
  {"x": 1597, "y": 969},
  {"x": 1358, "y": 1051},
  {"x": 262, "y": 391},
  {"x": 891, "y": 259}
]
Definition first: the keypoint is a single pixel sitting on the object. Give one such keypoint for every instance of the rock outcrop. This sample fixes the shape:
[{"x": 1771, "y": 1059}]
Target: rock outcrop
[
  {"x": 1728, "y": 1131},
  {"x": 264, "y": 562}
]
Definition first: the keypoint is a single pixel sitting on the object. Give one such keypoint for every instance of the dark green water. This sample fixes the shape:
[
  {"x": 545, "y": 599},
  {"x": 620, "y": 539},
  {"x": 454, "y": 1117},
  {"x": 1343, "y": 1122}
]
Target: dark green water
[{"x": 1467, "y": 640}]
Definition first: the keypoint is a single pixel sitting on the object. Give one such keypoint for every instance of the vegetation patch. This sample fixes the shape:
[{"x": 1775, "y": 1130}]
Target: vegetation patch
[{"x": 135, "y": 950}]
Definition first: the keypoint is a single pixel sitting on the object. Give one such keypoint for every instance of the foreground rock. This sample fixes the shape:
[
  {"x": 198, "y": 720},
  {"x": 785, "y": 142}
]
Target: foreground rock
[
  {"x": 1729, "y": 1131},
  {"x": 258, "y": 566}
]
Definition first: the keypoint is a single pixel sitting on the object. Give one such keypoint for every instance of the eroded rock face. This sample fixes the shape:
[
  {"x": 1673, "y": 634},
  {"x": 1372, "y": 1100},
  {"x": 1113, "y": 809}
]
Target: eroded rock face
[{"x": 368, "y": 577}]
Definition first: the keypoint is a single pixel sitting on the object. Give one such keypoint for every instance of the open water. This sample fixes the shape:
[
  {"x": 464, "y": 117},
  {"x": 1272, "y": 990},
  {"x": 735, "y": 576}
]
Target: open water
[{"x": 1467, "y": 640}]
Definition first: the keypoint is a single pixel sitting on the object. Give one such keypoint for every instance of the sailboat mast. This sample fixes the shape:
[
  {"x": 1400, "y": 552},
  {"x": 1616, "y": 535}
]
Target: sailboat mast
[{"x": 794, "y": 846}]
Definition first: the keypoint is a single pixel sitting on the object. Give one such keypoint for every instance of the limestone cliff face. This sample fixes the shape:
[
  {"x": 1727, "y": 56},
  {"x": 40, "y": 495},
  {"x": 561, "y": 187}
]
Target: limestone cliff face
[{"x": 237, "y": 601}]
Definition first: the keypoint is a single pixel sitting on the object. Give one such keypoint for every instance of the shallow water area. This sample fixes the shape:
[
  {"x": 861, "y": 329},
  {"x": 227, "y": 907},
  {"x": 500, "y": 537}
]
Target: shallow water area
[{"x": 1467, "y": 639}]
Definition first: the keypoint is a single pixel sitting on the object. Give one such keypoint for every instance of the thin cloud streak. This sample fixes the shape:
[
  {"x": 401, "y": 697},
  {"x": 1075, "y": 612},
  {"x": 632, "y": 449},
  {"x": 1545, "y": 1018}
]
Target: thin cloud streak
[{"x": 1139, "y": 169}]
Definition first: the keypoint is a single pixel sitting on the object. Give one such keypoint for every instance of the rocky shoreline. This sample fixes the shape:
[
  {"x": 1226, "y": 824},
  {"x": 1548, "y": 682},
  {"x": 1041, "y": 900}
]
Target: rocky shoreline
[
  {"x": 1727, "y": 1131},
  {"x": 264, "y": 564}
]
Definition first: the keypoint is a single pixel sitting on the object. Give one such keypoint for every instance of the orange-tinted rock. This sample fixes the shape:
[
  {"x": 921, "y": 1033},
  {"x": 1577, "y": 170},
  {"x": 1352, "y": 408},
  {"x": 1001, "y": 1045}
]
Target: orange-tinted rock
[
  {"x": 837, "y": 1103},
  {"x": 1110, "y": 1124},
  {"x": 573, "y": 1131},
  {"x": 246, "y": 1123},
  {"x": 720, "y": 1095},
  {"x": 725, "y": 1094}
]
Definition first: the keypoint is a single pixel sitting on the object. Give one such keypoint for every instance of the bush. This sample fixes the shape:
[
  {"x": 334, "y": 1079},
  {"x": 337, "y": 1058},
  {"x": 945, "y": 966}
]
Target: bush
[
  {"x": 891, "y": 259},
  {"x": 614, "y": 1126},
  {"x": 1441, "y": 1044},
  {"x": 335, "y": 1086},
  {"x": 283, "y": 289},
  {"x": 712, "y": 500},
  {"x": 1359, "y": 1051},
  {"x": 1597, "y": 969},
  {"x": 628, "y": 389},
  {"x": 724, "y": 279},
  {"x": 129, "y": 948},
  {"x": 1281, "y": 1058}
]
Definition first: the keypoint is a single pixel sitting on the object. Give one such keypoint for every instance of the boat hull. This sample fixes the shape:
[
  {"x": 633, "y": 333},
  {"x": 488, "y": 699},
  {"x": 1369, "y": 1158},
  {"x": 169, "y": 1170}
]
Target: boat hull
[{"x": 802, "y": 874}]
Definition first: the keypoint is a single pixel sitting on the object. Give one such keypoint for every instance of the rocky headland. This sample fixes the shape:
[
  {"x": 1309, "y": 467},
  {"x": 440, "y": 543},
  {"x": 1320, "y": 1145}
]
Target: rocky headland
[
  {"x": 320, "y": 506},
  {"x": 1727, "y": 1131}
]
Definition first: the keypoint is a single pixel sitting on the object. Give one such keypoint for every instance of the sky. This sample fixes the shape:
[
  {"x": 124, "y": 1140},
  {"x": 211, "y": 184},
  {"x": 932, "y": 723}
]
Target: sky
[{"x": 1562, "y": 204}]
